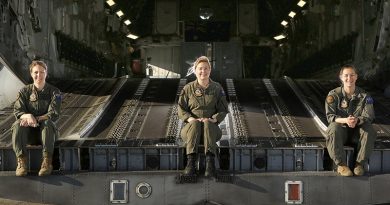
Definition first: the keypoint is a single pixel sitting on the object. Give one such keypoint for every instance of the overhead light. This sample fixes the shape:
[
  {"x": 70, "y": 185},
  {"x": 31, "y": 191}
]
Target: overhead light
[
  {"x": 127, "y": 22},
  {"x": 131, "y": 36},
  {"x": 301, "y": 3},
  {"x": 291, "y": 14},
  {"x": 280, "y": 37},
  {"x": 205, "y": 13},
  {"x": 119, "y": 13},
  {"x": 110, "y": 2},
  {"x": 284, "y": 23}
]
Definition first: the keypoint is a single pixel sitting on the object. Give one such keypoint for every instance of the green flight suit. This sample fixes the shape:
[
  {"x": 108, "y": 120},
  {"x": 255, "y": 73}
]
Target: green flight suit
[
  {"x": 337, "y": 105},
  {"x": 196, "y": 102},
  {"x": 46, "y": 102}
]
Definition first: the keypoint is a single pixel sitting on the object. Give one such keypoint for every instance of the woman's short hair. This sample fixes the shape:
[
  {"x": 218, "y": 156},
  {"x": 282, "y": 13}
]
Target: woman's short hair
[
  {"x": 37, "y": 62},
  {"x": 346, "y": 66},
  {"x": 200, "y": 60}
]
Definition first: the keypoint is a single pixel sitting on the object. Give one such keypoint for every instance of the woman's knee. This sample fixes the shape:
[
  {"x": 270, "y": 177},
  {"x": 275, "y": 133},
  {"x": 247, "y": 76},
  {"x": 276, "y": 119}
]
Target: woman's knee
[{"x": 191, "y": 129}]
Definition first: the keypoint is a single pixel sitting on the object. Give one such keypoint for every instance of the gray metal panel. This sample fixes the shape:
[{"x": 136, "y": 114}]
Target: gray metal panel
[
  {"x": 8, "y": 160},
  {"x": 380, "y": 186},
  {"x": 265, "y": 188},
  {"x": 52, "y": 189},
  {"x": 322, "y": 189},
  {"x": 354, "y": 185},
  {"x": 69, "y": 158},
  {"x": 228, "y": 60},
  {"x": 297, "y": 159},
  {"x": 379, "y": 161},
  {"x": 90, "y": 189},
  {"x": 21, "y": 188}
]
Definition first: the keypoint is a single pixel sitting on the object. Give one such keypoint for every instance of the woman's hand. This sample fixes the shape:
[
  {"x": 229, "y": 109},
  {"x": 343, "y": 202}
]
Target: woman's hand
[
  {"x": 351, "y": 121},
  {"x": 190, "y": 119},
  {"x": 28, "y": 120}
]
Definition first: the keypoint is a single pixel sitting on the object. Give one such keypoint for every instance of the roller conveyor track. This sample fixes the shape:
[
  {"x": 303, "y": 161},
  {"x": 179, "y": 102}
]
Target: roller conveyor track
[
  {"x": 152, "y": 117},
  {"x": 254, "y": 101},
  {"x": 300, "y": 116},
  {"x": 112, "y": 115}
]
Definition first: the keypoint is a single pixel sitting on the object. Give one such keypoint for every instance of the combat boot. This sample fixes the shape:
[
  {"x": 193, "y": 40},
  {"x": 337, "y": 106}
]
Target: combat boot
[
  {"x": 21, "y": 169},
  {"x": 344, "y": 171},
  {"x": 190, "y": 168},
  {"x": 358, "y": 170},
  {"x": 46, "y": 167},
  {"x": 210, "y": 165}
]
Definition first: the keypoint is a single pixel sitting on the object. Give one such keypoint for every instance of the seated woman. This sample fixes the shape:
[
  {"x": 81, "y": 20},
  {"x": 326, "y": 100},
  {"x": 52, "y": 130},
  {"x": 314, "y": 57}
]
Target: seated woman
[
  {"x": 202, "y": 106},
  {"x": 36, "y": 110},
  {"x": 350, "y": 112}
]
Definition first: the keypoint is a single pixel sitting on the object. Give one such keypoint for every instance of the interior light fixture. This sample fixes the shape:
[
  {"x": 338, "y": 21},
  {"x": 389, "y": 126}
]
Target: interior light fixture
[
  {"x": 205, "y": 13},
  {"x": 291, "y": 14},
  {"x": 284, "y": 23},
  {"x": 132, "y": 36},
  {"x": 301, "y": 3},
  {"x": 119, "y": 13},
  {"x": 280, "y": 37},
  {"x": 127, "y": 22},
  {"x": 110, "y": 2}
]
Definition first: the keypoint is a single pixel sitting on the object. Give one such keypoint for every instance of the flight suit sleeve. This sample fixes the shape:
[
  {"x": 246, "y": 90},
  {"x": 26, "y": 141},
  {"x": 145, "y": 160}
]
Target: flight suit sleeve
[
  {"x": 54, "y": 109},
  {"x": 20, "y": 107},
  {"x": 368, "y": 113},
  {"x": 222, "y": 107},
  {"x": 183, "y": 107},
  {"x": 331, "y": 107}
]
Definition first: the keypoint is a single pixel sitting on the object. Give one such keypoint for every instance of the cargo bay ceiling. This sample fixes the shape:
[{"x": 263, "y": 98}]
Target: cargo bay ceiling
[{"x": 227, "y": 18}]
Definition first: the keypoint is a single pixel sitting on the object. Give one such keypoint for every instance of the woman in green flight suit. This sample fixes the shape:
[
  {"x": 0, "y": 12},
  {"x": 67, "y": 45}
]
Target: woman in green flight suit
[{"x": 202, "y": 106}]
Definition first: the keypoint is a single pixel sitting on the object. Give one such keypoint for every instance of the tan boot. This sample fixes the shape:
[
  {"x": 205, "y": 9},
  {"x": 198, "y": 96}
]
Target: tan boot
[
  {"x": 344, "y": 171},
  {"x": 21, "y": 169},
  {"x": 46, "y": 167},
  {"x": 358, "y": 170}
]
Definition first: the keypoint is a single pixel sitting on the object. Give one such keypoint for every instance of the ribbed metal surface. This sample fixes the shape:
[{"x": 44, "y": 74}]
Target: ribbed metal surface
[
  {"x": 239, "y": 127},
  {"x": 293, "y": 127},
  {"x": 174, "y": 124},
  {"x": 117, "y": 132}
]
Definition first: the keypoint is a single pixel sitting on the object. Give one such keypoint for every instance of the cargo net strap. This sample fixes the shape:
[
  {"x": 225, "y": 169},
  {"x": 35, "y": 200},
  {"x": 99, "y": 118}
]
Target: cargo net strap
[
  {"x": 117, "y": 132},
  {"x": 239, "y": 125},
  {"x": 291, "y": 122},
  {"x": 174, "y": 124}
]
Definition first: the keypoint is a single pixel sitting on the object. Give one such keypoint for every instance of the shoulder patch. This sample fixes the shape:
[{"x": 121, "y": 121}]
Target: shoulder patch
[
  {"x": 369, "y": 100},
  {"x": 222, "y": 93},
  {"x": 329, "y": 99},
  {"x": 58, "y": 97}
]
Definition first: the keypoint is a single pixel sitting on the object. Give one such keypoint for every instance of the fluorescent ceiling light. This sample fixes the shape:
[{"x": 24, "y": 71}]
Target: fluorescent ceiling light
[
  {"x": 284, "y": 23},
  {"x": 301, "y": 3},
  {"x": 110, "y": 2},
  {"x": 127, "y": 22},
  {"x": 291, "y": 14},
  {"x": 119, "y": 13},
  {"x": 131, "y": 36},
  {"x": 281, "y": 36}
]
